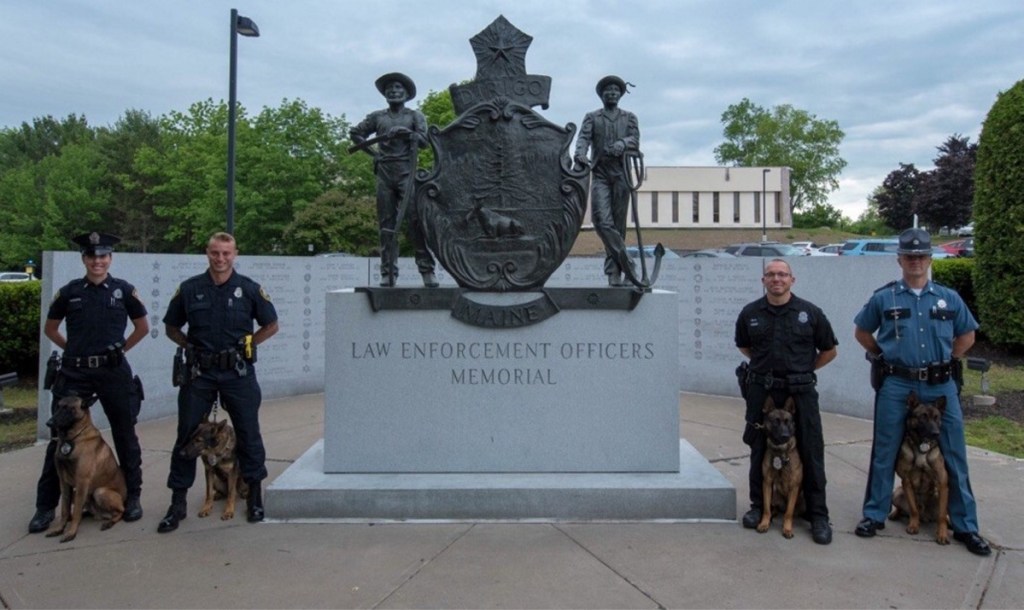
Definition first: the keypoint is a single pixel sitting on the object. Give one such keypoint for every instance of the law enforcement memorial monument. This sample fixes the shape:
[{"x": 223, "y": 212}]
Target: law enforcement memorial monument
[{"x": 501, "y": 398}]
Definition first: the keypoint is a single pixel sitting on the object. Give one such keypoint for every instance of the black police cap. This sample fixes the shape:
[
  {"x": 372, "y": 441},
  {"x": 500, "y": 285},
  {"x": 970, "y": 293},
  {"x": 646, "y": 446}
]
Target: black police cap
[
  {"x": 915, "y": 241},
  {"x": 96, "y": 244}
]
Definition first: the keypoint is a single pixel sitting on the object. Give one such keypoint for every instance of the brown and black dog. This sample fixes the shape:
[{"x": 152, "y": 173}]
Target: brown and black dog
[
  {"x": 215, "y": 443},
  {"x": 90, "y": 478},
  {"x": 782, "y": 469},
  {"x": 924, "y": 491}
]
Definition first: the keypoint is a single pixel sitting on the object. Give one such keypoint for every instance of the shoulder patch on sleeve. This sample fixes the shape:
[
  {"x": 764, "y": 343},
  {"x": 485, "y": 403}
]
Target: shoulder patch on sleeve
[
  {"x": 263, "y": 293},
  {"x": 56, "y": 296}
]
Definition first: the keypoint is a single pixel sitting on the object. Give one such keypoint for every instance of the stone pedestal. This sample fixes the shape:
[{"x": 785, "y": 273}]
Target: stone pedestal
[{"x": 574, "y": 417}]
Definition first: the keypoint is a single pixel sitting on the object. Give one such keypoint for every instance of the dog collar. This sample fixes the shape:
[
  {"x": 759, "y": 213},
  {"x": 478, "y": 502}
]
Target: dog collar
[
  {"x": 924, "y": 447},
  {"x": 66, "y": 448},
  {"x": 778, "y": 462}
]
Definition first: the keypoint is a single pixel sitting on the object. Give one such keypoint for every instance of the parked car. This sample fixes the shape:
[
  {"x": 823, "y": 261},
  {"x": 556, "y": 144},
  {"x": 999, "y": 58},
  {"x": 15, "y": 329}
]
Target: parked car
[
  {"x": 953, "y": 248},
  {"x": 708, "y": 253},
  {"x": 634, "y": 252},
  {"x": 763, "y": 249},
  {"x": 16, "y": 276},
  {"x": 938, "y": 252},
  {"x": 809, "y": 248},
  {"x": 830, "y": 250},
  {"x": 870, "y": 247},
  {"x": 965, "y": 231}
]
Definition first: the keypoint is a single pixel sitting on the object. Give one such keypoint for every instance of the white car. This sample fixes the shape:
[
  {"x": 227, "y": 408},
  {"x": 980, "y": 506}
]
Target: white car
[
  {"x": 829, "y": 250},
  {"x": 965, "y": 231},
  {"x": 808, "y": 248},
  {"x": 16, "y": 276}
]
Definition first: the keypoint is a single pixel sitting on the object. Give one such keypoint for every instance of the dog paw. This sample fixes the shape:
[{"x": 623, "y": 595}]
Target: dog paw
[
  {"x": 762, "y": 527},
  {"x": 787, "y": 533},
  {"x": 942, "y": 538},
  {"x": 913, "y": 528},
  {"x": 227, "y": 516},
  {"x": 205, "y": 512},
  {"x": 68, "y": 537},
  {"x": 107, "y": 525}
]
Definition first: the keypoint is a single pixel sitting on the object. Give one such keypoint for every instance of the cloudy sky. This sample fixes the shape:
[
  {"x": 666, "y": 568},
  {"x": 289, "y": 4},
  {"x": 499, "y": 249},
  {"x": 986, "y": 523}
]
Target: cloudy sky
[{"x": 898, "y": 77}]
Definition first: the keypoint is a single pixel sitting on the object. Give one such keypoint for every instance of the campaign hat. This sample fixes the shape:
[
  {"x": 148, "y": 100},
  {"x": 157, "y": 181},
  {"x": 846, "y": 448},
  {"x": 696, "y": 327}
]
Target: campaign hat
[
  {"x": 611, "y": 79},
  {"x": 410, "y": 87},
  {"x": 915, "y": 241}
]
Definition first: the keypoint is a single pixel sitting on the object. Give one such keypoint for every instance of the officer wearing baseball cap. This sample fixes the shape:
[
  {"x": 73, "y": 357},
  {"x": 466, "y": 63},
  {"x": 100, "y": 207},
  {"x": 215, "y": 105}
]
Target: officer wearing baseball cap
[
  {"x": 915, "y": 242},
  {"x": 95, "y": 311}
]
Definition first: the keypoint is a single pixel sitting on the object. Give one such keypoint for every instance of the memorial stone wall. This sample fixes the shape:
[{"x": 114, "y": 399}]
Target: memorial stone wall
[{"x": 710, "y": 292}]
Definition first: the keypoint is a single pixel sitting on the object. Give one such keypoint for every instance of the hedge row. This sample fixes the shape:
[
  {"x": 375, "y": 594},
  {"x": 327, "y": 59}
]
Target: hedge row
[{"x": 19, "y": 328}]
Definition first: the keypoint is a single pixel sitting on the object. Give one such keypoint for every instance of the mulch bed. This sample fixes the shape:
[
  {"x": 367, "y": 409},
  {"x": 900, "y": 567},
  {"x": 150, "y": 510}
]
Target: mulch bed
[{"x": 1008, "y": 404}]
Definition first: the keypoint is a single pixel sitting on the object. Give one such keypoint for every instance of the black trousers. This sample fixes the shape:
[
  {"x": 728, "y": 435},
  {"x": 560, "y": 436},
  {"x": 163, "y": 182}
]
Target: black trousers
[
  {"x": 241, "y": 398},
  {"x": 810, "y": 445},
  {"x": 121, "y": 403}
]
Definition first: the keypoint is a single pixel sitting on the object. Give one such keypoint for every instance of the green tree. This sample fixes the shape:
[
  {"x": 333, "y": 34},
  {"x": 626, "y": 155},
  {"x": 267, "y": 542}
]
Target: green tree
[
  {"x": 287, "y": 157},
  {"x": 944, "y": 196},
  {"x": 785, "y": 136},
  {"x": 133, "y": 216},
  {"x": 45, "y": 137},
  {"x": 186, "y": 177},
  {"x": 820, "y": 215},
  {"x": 869, "y": 222},
  {"x": 895, "y": 198},
  {"x": 334, "y": 222},
  {"x": 999, "y": 219}
]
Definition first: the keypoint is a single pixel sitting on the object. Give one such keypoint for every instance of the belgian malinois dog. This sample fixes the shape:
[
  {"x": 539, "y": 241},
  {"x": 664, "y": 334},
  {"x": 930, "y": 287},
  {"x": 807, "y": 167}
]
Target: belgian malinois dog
[
  {"x": 215, "y": 443},
  {"x": 90, "y": 478},
  {"x": 924, "y": 491},
  {"x": 782, "y": 469}
]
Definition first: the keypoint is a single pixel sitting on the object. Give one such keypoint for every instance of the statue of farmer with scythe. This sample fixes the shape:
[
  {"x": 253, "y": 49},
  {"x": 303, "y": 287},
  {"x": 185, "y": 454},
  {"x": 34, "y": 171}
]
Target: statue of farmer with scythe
[{"x": 399, "y": 134}]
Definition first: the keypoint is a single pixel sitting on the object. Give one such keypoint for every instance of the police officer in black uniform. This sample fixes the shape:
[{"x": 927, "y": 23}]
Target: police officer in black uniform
[
  {"x": 786, "y": 338},
  {"x": 96, "y": 310},
  {"x": 219, "y": 307}
]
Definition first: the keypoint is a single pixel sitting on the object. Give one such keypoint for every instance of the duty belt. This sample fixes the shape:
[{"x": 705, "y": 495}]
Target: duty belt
[
  {"x": 781, "y": 382},
  {"x": 84, "y": 362},
  {"x": 224, "y": 359},
  {"x": 935, "y": 373}
]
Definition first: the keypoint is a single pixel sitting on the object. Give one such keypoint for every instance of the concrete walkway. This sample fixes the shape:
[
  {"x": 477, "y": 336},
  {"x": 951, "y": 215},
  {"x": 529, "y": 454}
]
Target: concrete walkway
[{"x": 208, "y": 563}]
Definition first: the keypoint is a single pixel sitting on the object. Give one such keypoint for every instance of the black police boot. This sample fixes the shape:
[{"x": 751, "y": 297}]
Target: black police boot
[
  {"x": 132, "y": 507},
  {"x": 752, "y": 517},
  {"x": 40, "y": 521},
  {"x": 177, "y": 511},
  {"x": 254, "y": 502}
]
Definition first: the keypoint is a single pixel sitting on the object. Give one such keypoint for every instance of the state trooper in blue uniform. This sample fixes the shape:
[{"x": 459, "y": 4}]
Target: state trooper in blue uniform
[
  {"x": 786, "y": 338},
  {"x": 96, "y": 310},
  {"x": 915, "y": 328},
  {"x": 219, "y": 307}
]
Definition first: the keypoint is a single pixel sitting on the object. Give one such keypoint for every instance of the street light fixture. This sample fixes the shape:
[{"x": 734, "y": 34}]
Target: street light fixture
[
  {"x": 245, "y": 27},
  {"x": 764, "y": 206}
]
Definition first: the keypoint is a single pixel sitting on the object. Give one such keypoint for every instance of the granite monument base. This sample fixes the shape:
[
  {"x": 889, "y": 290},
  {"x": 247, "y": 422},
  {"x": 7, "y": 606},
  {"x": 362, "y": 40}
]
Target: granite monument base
[{"x": 697, "y": 492}]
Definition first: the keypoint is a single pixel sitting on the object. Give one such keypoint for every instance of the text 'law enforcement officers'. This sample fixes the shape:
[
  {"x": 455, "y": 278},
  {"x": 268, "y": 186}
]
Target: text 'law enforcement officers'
[
  {"x": 219, "y": 307},
  {"x": 95, "y": 310}
]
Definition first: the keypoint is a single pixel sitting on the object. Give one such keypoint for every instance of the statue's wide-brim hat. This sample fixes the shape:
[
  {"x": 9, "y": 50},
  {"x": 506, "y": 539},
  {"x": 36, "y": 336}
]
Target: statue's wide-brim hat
[
  {"x": 611, "y": 79},
  {"x": 410, "y": 87},
  {"x": 96, "y": 244},
  {"x": 915, "y": 241}
]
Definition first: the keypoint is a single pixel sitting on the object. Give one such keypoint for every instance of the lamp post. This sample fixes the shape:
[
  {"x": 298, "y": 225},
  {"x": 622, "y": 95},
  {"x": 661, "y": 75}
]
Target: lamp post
[
  {"x": 764, "y": 206},
  {"x": 245, "y": 27}
]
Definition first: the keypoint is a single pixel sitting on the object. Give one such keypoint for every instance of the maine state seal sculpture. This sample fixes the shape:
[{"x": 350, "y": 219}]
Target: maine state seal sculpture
[{"x": 502, "y": 205}]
